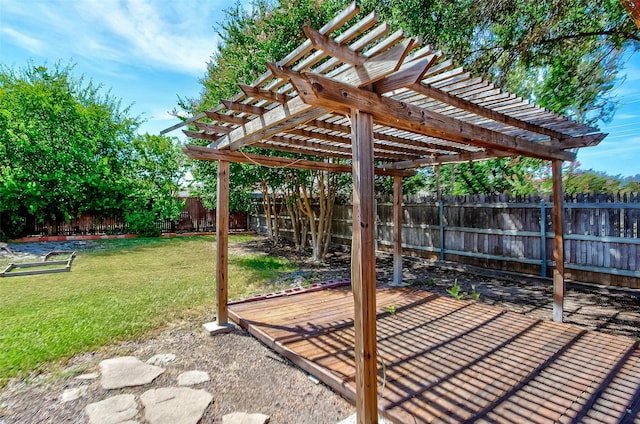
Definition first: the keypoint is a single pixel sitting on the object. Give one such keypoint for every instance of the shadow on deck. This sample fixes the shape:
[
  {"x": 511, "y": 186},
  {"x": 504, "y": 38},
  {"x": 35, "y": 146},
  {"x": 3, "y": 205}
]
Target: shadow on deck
[{"x": 443, "y": 360}]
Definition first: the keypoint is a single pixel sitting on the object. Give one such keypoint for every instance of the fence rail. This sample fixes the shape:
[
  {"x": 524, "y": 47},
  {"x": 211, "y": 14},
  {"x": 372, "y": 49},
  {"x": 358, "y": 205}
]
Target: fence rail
[
  {"x": 602, "y": 233},
  {"x": 195, "y": 217}
]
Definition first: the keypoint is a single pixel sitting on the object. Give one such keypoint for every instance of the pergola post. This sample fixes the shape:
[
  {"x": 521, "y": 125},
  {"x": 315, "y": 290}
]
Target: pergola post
[
  {"x": 363, "y": 268},
  {"x": 221, "y": 323},
  {"x": 558, "y": 242},
  {"x": 397, "y": 230}
]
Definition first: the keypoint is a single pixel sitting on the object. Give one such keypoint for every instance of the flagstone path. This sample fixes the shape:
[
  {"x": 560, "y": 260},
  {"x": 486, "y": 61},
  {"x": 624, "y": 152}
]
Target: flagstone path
[{"x": 158, "y": 405}]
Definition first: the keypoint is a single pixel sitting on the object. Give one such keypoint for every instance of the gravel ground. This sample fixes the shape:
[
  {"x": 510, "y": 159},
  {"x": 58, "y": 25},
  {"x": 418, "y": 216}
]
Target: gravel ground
[{"x": 247, "y": 376}]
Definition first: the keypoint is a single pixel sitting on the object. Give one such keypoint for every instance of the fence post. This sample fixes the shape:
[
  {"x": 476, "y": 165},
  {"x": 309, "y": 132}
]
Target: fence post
[
  {"x": 441, "y": 214},
  {"x": 543, "y": 238},
  {"x": 375, "y": 230}
]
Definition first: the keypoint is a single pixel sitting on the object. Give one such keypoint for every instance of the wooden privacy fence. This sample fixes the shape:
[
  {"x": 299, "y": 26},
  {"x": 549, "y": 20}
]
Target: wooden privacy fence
[
  {"x": 195, "y": 217},
  {"x": 602, "y": 233}
]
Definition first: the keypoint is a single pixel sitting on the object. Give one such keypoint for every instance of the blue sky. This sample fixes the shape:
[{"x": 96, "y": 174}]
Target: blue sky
[{"x": 149, "y": 52}]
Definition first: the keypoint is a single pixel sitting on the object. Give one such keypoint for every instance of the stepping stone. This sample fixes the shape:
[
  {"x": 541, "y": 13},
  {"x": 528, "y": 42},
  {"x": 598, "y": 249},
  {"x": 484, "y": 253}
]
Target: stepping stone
[
  {"x": 73, "y": 394},
  {"x": 127, "y": 371},
  {"x": 175, "y": 405},
  {"x": 245, "y": 418},
  {"x": 88, "y": 376},
  {"x": 114, "y": 410},
  {"x": 161, "y": 359},
  {"x": 191, "y": 378}
]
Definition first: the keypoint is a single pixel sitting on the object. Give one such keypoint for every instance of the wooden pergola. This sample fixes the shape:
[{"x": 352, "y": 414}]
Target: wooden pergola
[{"x": 371, "y": 101}]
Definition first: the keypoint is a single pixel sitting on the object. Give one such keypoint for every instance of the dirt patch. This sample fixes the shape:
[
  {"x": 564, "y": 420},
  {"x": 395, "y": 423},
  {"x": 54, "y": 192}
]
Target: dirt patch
[{"x": 247, "y": 376}]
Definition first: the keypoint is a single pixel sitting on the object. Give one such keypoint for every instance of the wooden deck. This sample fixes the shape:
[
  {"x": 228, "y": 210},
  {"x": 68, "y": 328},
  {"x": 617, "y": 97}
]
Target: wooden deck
[{"x": 442, "y": 360}]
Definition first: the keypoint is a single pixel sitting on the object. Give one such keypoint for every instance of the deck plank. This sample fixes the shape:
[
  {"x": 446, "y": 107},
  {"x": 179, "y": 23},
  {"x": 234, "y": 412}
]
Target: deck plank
[{"x": 443, "y": 360}]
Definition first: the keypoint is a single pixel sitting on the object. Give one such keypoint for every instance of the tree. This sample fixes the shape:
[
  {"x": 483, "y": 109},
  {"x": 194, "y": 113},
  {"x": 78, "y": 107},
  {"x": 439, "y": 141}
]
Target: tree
[
  {"x": 517, "y": 176},
  {"x": 632, "y": 184},
  {"x": 410, "y": 185},
  {"x": 243, "y": 179},
  {"x": 157, "y": 166},
  {"x": 249, "y": 39},
  {"x": 64, "y": 146},
  {"x": 564, "y": 55}
]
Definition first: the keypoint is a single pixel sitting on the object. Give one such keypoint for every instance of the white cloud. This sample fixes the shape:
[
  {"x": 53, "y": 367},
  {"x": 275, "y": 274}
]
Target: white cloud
[
  {"x": 30, "y": 44},
  {"x": 175, "y": 35},
  {"x": 169, "y": 35}
]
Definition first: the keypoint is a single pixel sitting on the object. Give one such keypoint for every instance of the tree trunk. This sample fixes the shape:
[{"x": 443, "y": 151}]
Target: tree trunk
[
  {"x": 305, "y": 205},
  {"x": 326, "y": 214},
  {"x": 266, "y": 203},
  {"x": 296, "y": 222},
  {"x": 276, "y": 214},
  {"x": 320, "y": 223}
]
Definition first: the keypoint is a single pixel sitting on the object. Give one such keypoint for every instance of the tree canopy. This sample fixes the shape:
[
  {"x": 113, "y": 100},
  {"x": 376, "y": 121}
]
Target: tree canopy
[
  {"x": 564, "y": 55},
  {"x": 67, "y": 147}
]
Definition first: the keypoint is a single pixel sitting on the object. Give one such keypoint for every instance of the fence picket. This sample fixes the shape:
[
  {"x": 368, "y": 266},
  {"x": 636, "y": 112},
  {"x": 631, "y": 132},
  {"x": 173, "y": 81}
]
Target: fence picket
[
  {"x": 195, "y": 217},
  {"x": 602, "y": 233}
]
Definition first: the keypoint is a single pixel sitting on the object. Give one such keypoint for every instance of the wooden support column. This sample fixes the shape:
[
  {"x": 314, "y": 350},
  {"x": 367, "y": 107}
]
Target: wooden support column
[
  {"x": 363, "y": 268},
  {"x": 558, "y": 242},
  {"x": 221, "y": 324},
  {"x": 397, "y": 231}
]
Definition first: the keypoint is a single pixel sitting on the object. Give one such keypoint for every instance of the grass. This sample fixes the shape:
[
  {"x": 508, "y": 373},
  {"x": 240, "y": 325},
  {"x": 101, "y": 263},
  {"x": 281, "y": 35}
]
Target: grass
[{"x": 120, "y": 292}]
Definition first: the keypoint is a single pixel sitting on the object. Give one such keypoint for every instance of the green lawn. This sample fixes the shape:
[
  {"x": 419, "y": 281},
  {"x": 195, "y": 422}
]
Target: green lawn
[{"x": 118, "y": 293}]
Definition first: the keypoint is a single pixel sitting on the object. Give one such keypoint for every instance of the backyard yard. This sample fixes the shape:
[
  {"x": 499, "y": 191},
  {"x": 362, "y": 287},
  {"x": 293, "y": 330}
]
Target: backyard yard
[
  {"x": 117, "y": 290},
  {"x": 143, "y": 297}
]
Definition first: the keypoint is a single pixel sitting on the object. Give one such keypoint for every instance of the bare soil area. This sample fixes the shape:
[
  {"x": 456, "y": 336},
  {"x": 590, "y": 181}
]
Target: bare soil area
[{"x": 247, "y": 376}]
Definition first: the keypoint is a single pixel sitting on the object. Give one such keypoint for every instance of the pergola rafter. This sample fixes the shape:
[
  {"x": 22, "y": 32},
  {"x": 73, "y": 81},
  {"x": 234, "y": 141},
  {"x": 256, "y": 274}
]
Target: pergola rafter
[{"x": 377, "y": 102}]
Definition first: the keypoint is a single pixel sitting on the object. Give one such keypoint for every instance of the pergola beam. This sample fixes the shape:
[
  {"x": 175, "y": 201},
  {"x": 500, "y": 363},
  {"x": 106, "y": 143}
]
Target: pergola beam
[
  {"x": 295, "y": 111},
  {"x": 212, "y": 128},
  {"x": 388, "y": 137},
  {"x": 334, "y": 95},
  {"x": 206, "y": 153},
  {"x": 577, "y": 142},
  {"x": 258, "y": 93},
  {"x": 278, "y": 119},
  {"x": 407, "y": 75},
  {"x": 449, "y": 159},
  {"x": 311, "y": 144},
  {"x": 333, "y": 48},
  {"x": 243, "y": 107},
  {"x": 382, "y": 150},
  {"x": 376, "y": 67},
  {"x": 221, "y": 117},
  {"x": 201, "y": 135},
  {"x": 285, "y": 146}
]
